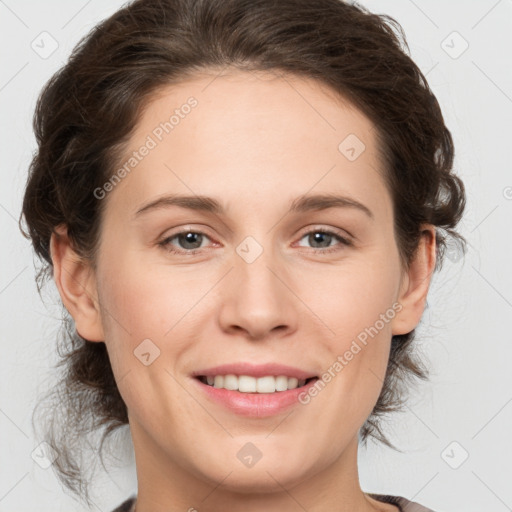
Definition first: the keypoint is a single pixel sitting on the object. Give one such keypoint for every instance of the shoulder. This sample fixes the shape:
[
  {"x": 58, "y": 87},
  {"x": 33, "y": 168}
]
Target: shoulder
[
  {"x": 403, "y": 504},
  {"x": 126, "y": 506}
]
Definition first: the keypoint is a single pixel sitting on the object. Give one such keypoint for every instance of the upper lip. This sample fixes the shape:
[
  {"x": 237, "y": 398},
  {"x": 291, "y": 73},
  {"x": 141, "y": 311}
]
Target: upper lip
[{"x": 255, "y": 370}]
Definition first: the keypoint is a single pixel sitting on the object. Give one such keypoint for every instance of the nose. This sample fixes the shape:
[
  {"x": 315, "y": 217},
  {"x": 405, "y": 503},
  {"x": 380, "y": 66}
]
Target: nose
[{"x": 257, "y": 298}]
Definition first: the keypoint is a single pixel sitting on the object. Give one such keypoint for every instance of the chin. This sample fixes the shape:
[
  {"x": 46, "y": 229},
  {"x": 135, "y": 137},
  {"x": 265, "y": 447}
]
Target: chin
[{"x": 265, "y": 479}]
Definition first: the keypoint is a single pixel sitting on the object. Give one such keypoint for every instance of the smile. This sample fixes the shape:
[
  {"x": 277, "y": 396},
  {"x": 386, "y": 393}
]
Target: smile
[{"x": 248, "y": 384}]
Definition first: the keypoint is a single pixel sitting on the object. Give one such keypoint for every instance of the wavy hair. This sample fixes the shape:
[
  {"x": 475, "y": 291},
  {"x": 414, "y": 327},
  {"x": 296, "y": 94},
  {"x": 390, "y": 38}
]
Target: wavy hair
[{"x": 87, "y": 110}]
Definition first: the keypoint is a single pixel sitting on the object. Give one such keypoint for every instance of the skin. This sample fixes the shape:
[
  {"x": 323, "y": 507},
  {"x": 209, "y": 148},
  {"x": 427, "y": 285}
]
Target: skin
[{"x": 255, "y": 142}]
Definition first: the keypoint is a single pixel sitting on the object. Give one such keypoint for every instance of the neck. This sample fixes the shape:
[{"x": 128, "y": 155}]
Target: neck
[{"x": 166, "y": 483}]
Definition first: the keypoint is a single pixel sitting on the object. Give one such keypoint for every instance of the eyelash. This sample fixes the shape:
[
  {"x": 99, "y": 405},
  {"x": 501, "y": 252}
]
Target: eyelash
[{"x": 166, "y": 242}]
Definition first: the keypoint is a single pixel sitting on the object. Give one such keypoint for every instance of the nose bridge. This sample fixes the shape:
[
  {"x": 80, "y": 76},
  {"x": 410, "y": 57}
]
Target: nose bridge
[
  {"x": 257, "y": 300},
  {"x": 254, "y": 274}
]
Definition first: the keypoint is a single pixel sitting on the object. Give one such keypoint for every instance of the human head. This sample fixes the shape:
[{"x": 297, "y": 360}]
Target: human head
[{"x": 90, "y": 109}]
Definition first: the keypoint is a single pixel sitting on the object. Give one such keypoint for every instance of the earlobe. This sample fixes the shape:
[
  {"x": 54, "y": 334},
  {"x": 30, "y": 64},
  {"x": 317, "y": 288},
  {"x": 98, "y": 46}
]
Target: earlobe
[
  {"x": 75, "y": 281},
  {"x": 416, "y": 282}
]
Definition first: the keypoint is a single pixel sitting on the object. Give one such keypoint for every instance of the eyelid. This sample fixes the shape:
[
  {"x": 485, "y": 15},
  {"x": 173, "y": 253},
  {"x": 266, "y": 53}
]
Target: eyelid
[
  {"x": 164, "y": 239},
  {"x": 342, "y": 233},
  {"x": 343, "y": 240},
  {"x": 186, "y": 228}
]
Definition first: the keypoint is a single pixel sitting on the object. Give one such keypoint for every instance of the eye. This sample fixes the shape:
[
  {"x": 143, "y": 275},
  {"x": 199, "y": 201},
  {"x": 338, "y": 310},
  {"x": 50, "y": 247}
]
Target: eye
[
  {"x": 190, "y": 242},
  {"x": 321, "y": 240}
]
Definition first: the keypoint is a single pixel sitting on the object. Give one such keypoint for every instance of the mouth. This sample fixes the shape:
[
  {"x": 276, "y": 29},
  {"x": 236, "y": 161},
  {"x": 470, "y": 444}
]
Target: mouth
[
  {"x": 254, "y": 390},
  {"x": 255, "y": 385},
  {"x": 254, "y": 397}
]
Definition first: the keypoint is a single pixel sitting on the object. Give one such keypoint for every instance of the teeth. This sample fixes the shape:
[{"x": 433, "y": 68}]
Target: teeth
[
  {"x": 247, "y": 384},
  {"x": 281, "y": 383}
]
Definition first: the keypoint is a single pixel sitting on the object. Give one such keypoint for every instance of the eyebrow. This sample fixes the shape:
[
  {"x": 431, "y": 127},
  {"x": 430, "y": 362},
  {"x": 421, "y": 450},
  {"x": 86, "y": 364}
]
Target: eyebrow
[{"x": 301, "y": 204}]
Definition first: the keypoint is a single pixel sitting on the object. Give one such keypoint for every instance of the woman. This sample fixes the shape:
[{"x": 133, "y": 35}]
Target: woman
[{"x": 300, "y": 152}]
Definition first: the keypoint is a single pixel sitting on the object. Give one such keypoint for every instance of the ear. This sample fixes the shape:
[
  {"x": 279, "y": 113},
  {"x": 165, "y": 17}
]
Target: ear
[
  {"x": 75, "y": 280},
  {"x": 415, "y": 283}
]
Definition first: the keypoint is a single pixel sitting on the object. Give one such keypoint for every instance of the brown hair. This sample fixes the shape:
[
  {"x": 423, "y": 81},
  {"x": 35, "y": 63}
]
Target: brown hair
[{"x": 88, "y": 109}]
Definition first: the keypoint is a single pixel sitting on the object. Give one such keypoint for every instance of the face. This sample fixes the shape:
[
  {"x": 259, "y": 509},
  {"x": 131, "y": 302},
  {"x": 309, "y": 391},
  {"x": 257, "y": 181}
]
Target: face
[{"x": 264, "y": 272}]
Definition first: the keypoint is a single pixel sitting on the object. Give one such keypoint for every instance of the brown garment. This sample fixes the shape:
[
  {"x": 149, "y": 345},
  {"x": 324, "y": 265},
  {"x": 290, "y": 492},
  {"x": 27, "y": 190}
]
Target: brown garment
[{"x": 403, "y": 504}]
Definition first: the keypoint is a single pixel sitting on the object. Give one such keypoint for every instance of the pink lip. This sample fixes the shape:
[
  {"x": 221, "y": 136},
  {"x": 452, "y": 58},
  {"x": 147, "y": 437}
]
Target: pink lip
[
  {"x": 254, "y": 405},
  {"x": 260, "y": 370}
]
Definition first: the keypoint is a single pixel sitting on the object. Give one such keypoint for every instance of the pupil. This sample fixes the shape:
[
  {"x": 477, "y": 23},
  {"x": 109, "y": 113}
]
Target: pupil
[
  {"x": 317, "y": 237},
  {"x": 189, "y": 238}
]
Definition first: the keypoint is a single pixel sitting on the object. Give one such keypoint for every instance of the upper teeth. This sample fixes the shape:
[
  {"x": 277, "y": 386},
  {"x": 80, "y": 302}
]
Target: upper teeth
[{"x": 248, "y": 384}]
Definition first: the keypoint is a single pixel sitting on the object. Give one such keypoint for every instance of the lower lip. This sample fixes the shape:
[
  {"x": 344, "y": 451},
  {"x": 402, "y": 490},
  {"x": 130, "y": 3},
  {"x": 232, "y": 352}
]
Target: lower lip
[{"x": 255, "y": 405}]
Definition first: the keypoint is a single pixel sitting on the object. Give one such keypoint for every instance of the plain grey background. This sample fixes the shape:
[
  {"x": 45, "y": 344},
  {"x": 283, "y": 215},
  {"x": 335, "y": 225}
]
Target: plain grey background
[{"x": 455, "y": 433}]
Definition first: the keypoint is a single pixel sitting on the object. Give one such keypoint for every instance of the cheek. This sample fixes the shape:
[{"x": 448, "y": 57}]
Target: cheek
[
  {"x": 358, "y": 306},
  {"x": 148, "y": 301},
  {"x": 351, "y": 297},
  {"x": 142, "y": 311}
]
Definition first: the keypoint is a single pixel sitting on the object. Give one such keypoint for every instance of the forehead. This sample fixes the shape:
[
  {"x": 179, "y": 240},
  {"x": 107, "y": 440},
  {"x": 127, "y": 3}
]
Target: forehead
[{"x": 248, "y": 133}]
